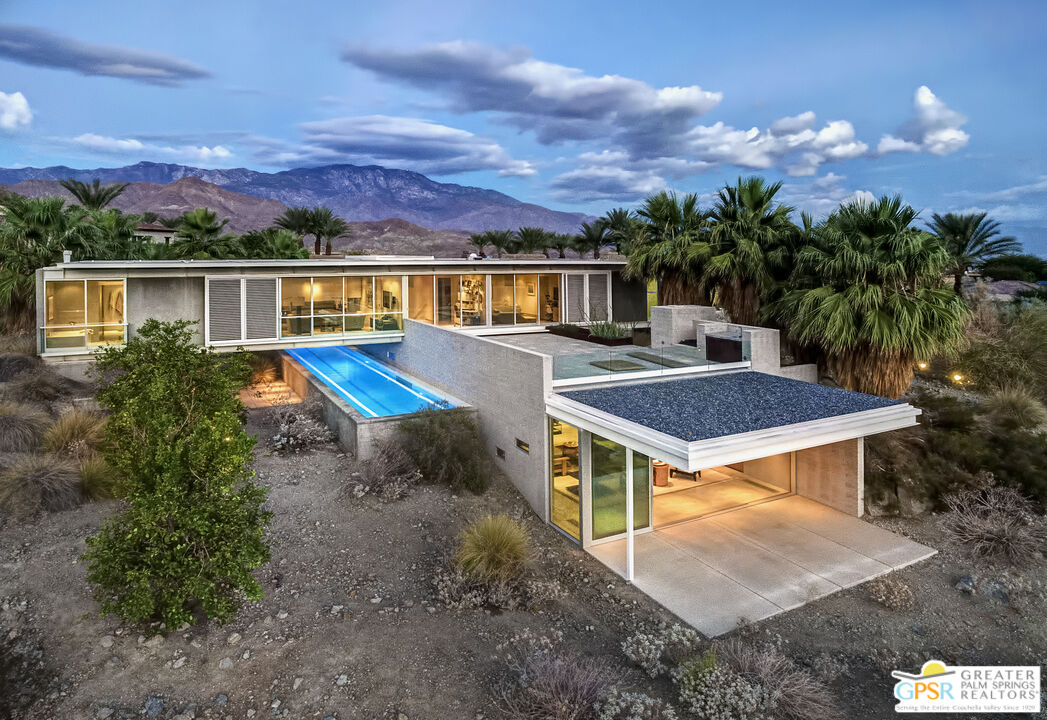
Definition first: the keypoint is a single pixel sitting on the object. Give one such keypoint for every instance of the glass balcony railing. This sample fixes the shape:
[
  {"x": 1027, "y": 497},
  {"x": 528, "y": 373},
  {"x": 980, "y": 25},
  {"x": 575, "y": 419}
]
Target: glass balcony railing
[
  {"x": 631, "y": 361},
  {"x": 55, "y": 338}
]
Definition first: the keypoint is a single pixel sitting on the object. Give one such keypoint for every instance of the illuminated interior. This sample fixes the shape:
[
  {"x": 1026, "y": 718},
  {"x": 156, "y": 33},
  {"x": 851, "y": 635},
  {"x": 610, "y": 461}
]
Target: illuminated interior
[
  {"x": 564, "y": 495},
  {"x": 83, "y": 313},
  {"x": 337, "y": 305}
]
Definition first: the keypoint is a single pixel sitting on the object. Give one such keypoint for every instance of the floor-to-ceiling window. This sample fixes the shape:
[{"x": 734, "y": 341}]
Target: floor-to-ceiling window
[
  {"x": 609, "y": 486},
  {"x": 296, "y": 308},
  {"x": 420, "y": 298},
  {"x": 565, "y": 479},
  {"x": 549, "y": 298},
  {"x": 472, "y": 300},
  {"x": 83, "y": 313},
  {"x": 447, "y": 311},
  {"x": 339, "y": 305},
  {"x": 526, "y": 299},
  {"x": 503, "y": 304}
]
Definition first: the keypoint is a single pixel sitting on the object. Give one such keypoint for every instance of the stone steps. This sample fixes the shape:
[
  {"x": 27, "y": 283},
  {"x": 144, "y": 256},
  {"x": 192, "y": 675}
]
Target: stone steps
[{"x": 272, "y": 393}]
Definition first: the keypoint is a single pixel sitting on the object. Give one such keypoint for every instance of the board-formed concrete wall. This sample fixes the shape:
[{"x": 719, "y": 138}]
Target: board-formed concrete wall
[
  {"x": 833, "y": 475},
  {"x": 166, "y": 298},
  {"x": 506, "y": 385}
]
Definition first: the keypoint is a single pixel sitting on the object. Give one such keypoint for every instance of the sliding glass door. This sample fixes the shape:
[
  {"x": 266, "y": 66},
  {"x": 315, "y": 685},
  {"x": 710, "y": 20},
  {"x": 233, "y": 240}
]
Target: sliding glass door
[{"x": 609, "y": 486}]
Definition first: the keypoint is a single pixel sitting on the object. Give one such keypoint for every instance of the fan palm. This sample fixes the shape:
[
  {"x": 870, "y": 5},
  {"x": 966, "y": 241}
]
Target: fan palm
[
  {"x": 671, "y": 246},
  {"x": 623, "y": 228},
  {"x": 297, "y": 220},
  {"x": 479, "y": 241},
  {"x": 591, "y": 237},
  {"x": 970, "y": 239},
  {"x": 751, "y": 237},
  {"x": 532, "y": 239},
  {"x": 200, "y": 236},
  {"x": 503, "y": 241},
  {"x": 560, "y": 242},
  {"x": 117, "y": 236},
  {"x": 869, "y": 294},
  {"x": 275, "y": 243},
  {"x": 326, "y": 226},
  {"x": 94, "y": 196}
]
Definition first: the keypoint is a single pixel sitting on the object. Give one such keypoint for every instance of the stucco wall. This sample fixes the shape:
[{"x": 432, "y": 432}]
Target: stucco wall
[
  {"x": 506, "y": 385},
  {"x": 166, "y": 298},
  {"x": 833, "y": 475}
]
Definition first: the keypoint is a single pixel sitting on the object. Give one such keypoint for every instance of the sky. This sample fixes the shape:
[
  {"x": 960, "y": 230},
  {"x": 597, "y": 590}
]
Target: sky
[{"x": 573, "y": 105}]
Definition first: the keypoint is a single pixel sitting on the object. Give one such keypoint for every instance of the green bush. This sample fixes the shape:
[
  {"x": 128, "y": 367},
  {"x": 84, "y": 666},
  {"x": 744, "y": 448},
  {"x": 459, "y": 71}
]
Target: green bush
[
  {"x": 36, "y": 483},
  {"x": 21, "y": 426},
  {"x": 447, "y": 448},
  {"x": 710, "y": 690},
  {"x": 194, "y": 529},
  {"x": 495, "y": 547},
  {"x": 78, "y": 433}
]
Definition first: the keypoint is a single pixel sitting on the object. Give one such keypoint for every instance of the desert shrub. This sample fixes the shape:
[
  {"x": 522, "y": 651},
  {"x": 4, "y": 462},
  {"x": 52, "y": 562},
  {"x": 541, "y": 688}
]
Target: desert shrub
[
  {"x": 892, "y": 593},
  {"x": 39, "y": 385},
  {"x": 656, "y": 651},
  {"x": 264, "y": 369},
  {"x": 21, "y": 426},
  {"x": 610, "y": 329},
  {"x": 389, "y": 474},
  {"x": 1014, "y": 408},
  {"x": 457, "y": 590},
  {"x": 995, "y": 522},
  {"x": 710, "y": 690},
  {"x": 77, "y": 433},
  {"x": 788, "y": 690},
  {"x": 36, "y": 483},
  {"x": 299, "y": 427},
  {"x": 98, "y": 480},
  {"x": 495, "y": 547},
  {"x": 446, "y": 446},
  {"x": 194, "y": 528},
  {"x": 12, "y": 365},
  {"x": 619, "y": 705},
  {"x": 547, "y": 684},
  {"x": 1013, "y": 353},
  {"x": 21, "y": 344}
]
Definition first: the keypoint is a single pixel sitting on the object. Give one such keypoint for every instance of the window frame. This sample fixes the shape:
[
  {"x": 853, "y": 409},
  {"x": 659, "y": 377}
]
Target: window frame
[{"x": 86, "y": 347}]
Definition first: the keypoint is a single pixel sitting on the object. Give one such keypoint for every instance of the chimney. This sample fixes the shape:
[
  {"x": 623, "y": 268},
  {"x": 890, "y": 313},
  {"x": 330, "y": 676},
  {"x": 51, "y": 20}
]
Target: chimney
[{"x": 67, "y": 256}]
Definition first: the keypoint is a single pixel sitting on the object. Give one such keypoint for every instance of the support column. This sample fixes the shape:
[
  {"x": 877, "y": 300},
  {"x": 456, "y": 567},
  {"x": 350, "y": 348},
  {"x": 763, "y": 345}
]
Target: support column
[{"x": 629, "y": 524}]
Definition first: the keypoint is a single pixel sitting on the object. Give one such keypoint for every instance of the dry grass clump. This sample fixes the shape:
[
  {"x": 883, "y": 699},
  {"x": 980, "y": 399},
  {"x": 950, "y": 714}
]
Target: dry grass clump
[
  {"x": 36, "y": 483},
  {"x": 24, "y": 344},
  {"x": 98, "y": 480},
  {"x": 40, "y": 385},
  {"x": 1014, "y": 408},
  {"x": 789, "y": 690},
  {"x": 78, "y": 433},
  {"x": 14, "y": 364},
  {"x": 264, "y": 370},
  {"x": 892, "y": 593},
  {"x": 994, "y": 522},
  {"x": 389, "y": 474},
  {"x": 21, "y": 426},
  {"x": 495, "y": 547}
]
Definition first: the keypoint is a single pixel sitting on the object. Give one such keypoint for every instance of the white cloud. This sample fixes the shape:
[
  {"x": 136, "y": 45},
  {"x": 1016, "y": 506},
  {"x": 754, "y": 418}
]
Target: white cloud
[
  {"x": 934, "y": 128},
  {"x": 14, "y": 111},
  {"x": 132, "y": 146}
]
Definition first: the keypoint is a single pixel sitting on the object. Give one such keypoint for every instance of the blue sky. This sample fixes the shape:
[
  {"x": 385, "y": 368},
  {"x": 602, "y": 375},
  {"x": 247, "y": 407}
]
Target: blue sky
[{"x": 581, "y": 106}]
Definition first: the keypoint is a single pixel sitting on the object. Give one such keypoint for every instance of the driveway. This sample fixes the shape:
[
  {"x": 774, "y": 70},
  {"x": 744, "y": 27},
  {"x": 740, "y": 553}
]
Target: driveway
[{"x": 718, "y": 572}]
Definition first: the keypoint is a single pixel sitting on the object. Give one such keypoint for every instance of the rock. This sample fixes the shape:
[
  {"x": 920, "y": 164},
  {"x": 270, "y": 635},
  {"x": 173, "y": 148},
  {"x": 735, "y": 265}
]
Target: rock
[
  {"x": 341, "y": 680},
  {"x": 282, "y": 614},
  {"x": 966, "y": 585},
  {"x": 247, "y": 654},
  {"x": 107, "y": 641},
  {"x": 250, "y": 713},
  {"x": 221, "y": 699},
  {"x": 335, "y": 609},
  {"x": 103, "y": 713},
  {"x": 297, "y": 683},
  {"x": 401, "y": 716},
  {"x": 997, "y": 590},
  {"x": 179, "y": 662},
  {"x": 155, "y": 641},
  {"x": 375, "y": 600},
  {"x": 233, "y": 639},
  {"x": 153, "y": 706},
  {"x": 225, "y": 663}
]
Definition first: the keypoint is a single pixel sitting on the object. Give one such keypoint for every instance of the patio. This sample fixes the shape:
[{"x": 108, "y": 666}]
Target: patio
[{"x": 751, "y": 563}]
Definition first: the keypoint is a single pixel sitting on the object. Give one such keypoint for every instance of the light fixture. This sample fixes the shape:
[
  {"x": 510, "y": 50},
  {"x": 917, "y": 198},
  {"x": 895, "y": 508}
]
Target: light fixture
[
  {"x": 922, "y": 365},
  {"x": 957, "y": 377}
]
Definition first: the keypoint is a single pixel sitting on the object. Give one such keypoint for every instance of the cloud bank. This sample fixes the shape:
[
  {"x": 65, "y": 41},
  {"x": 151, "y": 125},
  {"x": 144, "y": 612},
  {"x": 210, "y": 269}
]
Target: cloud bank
[{"x": 14, "y": 111}]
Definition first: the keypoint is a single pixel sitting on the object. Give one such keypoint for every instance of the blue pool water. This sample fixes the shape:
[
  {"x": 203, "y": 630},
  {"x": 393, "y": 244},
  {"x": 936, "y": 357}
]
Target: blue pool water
[{"x": 375, "y": 389}]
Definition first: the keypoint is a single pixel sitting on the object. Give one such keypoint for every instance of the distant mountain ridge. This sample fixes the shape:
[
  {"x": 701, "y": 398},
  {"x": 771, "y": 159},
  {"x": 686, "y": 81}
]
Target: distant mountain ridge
[{"x": 357, "y": 193}]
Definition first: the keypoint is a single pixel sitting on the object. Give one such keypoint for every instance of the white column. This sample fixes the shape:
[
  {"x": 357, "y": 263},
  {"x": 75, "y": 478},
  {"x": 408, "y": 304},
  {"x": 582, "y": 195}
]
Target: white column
[{"x": 629, "y": 514}]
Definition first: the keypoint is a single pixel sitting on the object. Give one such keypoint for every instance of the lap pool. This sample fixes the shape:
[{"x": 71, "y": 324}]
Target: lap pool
[{"x": 373, "y": 388}]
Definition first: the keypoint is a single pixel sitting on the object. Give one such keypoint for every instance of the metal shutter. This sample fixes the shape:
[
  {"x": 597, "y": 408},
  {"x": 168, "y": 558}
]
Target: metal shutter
[
  {"x": 598, "y": 296},
  {"x": 261, "y": 310},
  {"x": 223, "y": 310},
  {"x": 575, "y": 298}
]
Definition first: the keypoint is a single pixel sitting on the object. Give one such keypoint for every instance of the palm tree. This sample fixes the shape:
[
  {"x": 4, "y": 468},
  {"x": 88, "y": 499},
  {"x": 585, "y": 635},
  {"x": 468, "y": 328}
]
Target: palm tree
[
  {"x": 117, "y": 235},
  {"x": 275, "y": 243},
  {"x": 532, "y": 239},
  {"x": 94, "y": 196},
  {"x": 868, "y": 293},
  {"x": 623, "y": 228},
  {"x": 560, "y": 242},
  {"x": 296, "y": 219},
  {"x": 503, "y": 241},
  {"x": 33, "y": 234},
  {"x": 200, "y": 236},
  {"x": 591, "y": 237},
  {"x": 751, "y": 237},
  {"x": 332, "y": 227},
  {"x": 479, "y": 241},
  {"x": 671, "y": 246},
  {"x": 970, "y": 239}
]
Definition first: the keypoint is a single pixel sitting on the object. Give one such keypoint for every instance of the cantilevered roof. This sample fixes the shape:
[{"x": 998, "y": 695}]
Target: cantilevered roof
[{"x": 711, "y": 419}]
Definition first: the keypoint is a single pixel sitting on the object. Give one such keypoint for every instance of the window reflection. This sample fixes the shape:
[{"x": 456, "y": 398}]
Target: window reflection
[{"x": 565, "y": 474}]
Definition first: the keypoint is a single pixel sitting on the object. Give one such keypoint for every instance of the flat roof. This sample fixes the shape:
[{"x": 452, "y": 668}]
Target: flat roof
[
  {"x": 333, "y": 261},
  {"x": 720, "y": 405}
]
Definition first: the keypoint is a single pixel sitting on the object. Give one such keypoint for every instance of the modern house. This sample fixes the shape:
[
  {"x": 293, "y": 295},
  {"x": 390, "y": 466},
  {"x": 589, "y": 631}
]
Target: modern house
[{"x": 626, "y": 450}]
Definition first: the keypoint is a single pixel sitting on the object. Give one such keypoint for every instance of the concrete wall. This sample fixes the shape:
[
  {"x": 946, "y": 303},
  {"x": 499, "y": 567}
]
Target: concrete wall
[
  {"x": 773, "y": 469},
  {"x": 833, "y": 475},
  {"x": 672, "y": 324},
  {"x": 505, "y": 384},
  {"x": 166, "y": 298},
  {"x": 628, "y": 299},
  {"x": 806, "y": 373}
]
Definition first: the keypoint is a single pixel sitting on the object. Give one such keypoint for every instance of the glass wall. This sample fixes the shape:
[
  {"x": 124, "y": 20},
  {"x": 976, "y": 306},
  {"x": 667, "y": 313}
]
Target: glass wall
[
  {"x": 503, "y": 305},
  {"x": 565, "y": 474},
  {"x": 337, "y": 305},
  {"x": 421, "y": 298},
  {"x": 461, "y": 300},
  {"x": 609, "y": 485},
  {"x": 83, "y": 313},
  {"x": 549, "y": 300},
  {"x": 472, "y": 300},
  {"x": 526, "y": 299}
]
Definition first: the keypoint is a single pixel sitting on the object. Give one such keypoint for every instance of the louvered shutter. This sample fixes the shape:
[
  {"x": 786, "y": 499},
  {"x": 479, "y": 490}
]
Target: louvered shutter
[
  {"x": 598, "y": 296},
  {"x": 575, "y": 298},
  {"x": 261, "y": 308},
  {"x": 224, "y": 310}
]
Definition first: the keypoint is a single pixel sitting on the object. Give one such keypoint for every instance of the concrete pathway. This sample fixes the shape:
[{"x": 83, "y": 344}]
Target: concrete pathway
[{"x": 718, "y": 572}]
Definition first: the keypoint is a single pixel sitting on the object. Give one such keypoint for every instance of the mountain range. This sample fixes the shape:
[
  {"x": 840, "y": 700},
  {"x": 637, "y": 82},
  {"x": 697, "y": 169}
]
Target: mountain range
[{"x": 368, "y": 193}]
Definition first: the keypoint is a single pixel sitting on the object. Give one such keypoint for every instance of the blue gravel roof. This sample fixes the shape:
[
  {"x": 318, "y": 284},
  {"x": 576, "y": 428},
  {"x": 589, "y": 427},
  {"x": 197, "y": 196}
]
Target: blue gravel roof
[{"x": 712, "y": 406}]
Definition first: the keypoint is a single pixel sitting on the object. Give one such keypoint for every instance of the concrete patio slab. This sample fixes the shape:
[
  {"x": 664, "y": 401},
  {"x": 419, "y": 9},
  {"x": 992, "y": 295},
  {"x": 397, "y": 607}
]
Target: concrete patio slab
[{"x": 755, "y": 562}]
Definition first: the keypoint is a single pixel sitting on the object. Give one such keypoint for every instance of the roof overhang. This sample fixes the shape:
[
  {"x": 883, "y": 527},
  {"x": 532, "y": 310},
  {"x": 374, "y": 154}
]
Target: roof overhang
[{"x": 701, "y": 454}]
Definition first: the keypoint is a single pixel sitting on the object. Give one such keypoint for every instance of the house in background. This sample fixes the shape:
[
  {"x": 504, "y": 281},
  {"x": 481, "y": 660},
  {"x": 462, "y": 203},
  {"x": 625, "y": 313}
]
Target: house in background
[
  {"x": 692, "y": 462},
  {"x": 155, "y": 232}
]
